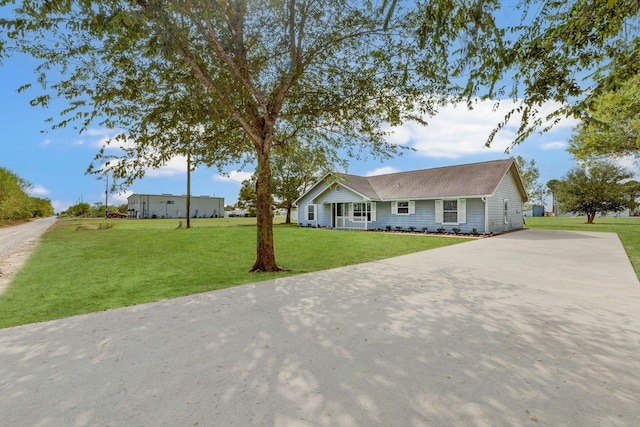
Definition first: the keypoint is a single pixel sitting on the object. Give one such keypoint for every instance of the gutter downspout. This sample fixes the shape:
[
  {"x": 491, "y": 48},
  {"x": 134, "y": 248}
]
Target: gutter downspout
[{"x": 486, "y": 214}]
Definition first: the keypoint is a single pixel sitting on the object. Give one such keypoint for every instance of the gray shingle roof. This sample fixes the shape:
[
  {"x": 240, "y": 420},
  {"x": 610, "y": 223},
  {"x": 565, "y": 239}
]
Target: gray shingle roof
[{"x": 474, "y": 179}]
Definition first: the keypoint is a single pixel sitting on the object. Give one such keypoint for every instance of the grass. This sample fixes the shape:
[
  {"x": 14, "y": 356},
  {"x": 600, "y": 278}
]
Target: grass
[
  {"x": 84, "y": 266},
  {"x": 628, "y": 230}
]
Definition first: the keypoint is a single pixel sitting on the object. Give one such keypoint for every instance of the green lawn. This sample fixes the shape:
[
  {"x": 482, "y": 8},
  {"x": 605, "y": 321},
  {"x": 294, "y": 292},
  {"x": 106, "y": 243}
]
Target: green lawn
[
  {"x": 83, "y": 266},
  {"x": 628, "y": 229}
]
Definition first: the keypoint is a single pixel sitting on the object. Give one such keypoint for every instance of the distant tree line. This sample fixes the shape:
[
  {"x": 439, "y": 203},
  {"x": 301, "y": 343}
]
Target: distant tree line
[
  {"x": 86, "y": 210},
  {"x": 16, "y": 204}
]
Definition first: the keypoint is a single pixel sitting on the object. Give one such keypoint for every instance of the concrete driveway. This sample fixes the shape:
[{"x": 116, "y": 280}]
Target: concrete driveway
[{"x": 534, "y": 328}]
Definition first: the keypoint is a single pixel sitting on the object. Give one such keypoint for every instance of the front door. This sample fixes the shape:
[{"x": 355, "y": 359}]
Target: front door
[{"x": 341, "y": 215}]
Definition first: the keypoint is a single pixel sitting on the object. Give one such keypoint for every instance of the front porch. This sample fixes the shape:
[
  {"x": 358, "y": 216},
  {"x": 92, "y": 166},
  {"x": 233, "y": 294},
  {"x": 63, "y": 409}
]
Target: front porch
[{"x": 349, "y": 215}]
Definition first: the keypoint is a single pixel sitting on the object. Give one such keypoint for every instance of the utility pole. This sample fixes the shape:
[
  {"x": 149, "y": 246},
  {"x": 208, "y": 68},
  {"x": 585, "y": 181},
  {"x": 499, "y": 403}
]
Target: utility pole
[
  {"x": 106, "y": 197},
  {"x": 188, "y": 188}
]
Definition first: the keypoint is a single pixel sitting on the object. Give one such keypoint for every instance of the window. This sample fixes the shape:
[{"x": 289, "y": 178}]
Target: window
[
  {"x": 450, "y": 211},
  {"x": 363, "y": 211},
  {"x": 171, "y": 202},
  {"x": 359, "y": 211},
  {"x": 311, "y": 212},
  {"x": 405, "y": 207},
  {"x": 506, "y": 211}
]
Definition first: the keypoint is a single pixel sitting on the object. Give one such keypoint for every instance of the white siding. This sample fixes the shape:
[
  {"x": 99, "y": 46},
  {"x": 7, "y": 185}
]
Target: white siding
[
  {"x": 172, "y": 206},
  {"x": 324, "y": 198},
  {"x": 507, "y": 190}
]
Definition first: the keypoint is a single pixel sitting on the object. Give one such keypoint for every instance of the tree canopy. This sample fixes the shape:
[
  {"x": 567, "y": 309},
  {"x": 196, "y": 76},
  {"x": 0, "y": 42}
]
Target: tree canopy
[
  {"x": 611, "y": 127},
  {"x": 293, "y": 173},
  {"x": 16, "y": 204},
  {"x": 230, "y": 80},
  {"x": 247, "y": 196},
  {"x": 535, "y": 52},
  {"x": 552, "y": 188},
  {"x": 595, "y": 187},
  {"x": 632, "y": 191},
  {"x": 531, "y": 179}
]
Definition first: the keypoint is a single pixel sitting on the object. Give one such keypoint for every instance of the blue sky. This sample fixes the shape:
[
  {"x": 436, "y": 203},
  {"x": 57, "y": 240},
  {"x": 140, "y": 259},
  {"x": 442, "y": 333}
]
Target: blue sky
[{"x": 55, "y": 162}]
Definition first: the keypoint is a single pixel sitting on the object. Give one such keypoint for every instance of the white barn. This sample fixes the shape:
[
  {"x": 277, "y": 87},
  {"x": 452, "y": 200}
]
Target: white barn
[{"x": 172, "y": 206}]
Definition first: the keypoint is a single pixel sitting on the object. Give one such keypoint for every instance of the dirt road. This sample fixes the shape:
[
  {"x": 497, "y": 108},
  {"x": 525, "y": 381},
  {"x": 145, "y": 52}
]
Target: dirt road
[{"x": 16, "y": 243}]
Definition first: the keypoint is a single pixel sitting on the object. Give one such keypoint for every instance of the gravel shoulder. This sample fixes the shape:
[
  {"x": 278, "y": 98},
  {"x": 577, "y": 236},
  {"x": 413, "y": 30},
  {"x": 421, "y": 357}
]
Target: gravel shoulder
[{"x": 16, "y": 244}]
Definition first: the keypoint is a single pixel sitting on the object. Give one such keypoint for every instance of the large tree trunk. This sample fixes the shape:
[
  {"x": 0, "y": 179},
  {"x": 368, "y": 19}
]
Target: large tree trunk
[
  {"x": 590, "y": 216},
  {"x": 265, "y": 256}
]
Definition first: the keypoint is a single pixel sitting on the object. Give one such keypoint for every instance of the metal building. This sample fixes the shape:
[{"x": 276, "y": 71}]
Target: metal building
[{"x": 172, "y": 206}]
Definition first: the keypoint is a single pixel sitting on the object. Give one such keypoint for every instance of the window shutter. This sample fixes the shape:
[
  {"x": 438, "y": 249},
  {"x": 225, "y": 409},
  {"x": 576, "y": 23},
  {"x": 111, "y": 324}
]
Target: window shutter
[
  {"x": 394, "y": 208},
  {"x": 373, "y": 211},
  {"x": 412, "y": 207},
  {"x": 439, "y": 211},
  {"x": 349, "y": 207},
  {"x": 462, "y": 211},
  {"x": 306, "y": 212}
]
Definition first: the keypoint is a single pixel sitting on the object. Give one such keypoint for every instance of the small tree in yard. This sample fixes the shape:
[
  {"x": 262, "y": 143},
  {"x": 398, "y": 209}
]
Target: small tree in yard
[
  {"x": 632, "y": 189},
  {"x": 531, "y": 179},
  {"x": 552, "y": 186},
  {"x": 596, "y": 187},
  {"x": 247, "y": 196},
  {"x": 293, "y": 173}
]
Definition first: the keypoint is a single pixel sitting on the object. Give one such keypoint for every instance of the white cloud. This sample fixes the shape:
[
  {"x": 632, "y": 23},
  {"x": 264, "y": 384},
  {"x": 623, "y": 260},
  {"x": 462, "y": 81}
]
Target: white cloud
[
  {"x": 98, "y": 138},
  {"x": 235, "y": 176},
  {"x": 99, "y": 132},
  {"x": 176, "y": 166},
  {"x": 382, "y": 171},
  {"x": 119, "y": 198},
  {"x": 562, "y": 125},
  {"x": 630, "y": 163},
  {"x": 61, "y": 205},
  {"x": 95, "y": 137},
  {"x": 554, "y": 145},
  {"x": 457, "y": 131},
  {"x": 38, "y": 190}
]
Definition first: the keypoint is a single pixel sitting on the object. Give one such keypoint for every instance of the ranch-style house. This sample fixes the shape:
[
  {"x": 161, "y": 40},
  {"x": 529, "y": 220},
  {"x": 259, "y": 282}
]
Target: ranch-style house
[{"x": 482, "y": 198}]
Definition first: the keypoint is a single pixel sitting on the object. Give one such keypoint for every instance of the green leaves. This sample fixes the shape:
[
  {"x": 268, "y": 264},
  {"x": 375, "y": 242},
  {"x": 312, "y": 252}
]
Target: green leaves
[
  {"x": 594, "y": 187},
  {"x": 611, "y": 127},
  {"x": 15, "y": 203},
  {"x": 565, "y": 51},
  {"x": 531, "y": 178}
]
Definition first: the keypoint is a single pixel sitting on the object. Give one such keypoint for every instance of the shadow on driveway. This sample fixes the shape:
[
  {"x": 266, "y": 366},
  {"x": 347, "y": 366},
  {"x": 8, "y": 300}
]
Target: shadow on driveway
[{"x": 435, "y": 338}]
